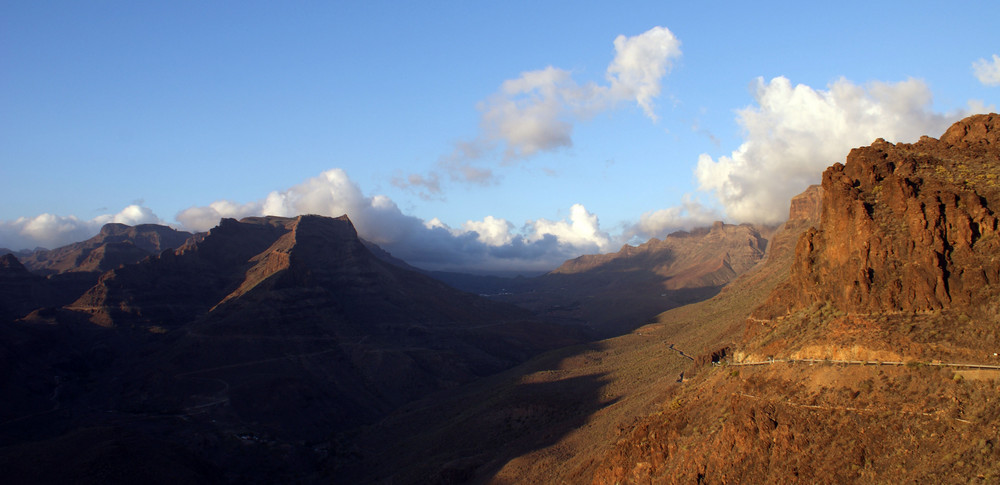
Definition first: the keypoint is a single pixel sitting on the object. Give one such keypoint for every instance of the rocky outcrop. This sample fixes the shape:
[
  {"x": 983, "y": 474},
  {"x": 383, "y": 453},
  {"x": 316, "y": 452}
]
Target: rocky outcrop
[{"x": 905, "y": 227}]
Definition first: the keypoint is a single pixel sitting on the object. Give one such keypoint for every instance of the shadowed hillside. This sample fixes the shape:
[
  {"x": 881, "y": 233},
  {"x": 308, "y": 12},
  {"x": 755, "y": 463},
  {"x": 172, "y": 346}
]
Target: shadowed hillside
[
  {"x": 616, "y": 292},
  {"x": 547, "y": 420},
  {"x": 245, "y": 350}
]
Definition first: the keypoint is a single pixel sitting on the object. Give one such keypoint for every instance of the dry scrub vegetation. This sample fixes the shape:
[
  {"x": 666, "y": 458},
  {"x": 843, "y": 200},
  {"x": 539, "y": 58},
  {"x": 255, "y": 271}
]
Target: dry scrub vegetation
[{"x": 796, "y": 423}]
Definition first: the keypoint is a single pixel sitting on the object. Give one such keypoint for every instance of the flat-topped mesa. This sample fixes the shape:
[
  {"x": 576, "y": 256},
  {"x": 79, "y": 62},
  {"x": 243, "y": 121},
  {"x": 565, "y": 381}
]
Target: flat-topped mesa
[
  {"x": 177, "y": 285},
  {"x": 313, "y": 250},
  {"x": 905, "y": 227}
]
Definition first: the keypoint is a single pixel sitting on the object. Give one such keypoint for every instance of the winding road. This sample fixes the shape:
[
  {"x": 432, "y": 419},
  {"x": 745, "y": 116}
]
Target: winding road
[{"x": 868, "y": 362}]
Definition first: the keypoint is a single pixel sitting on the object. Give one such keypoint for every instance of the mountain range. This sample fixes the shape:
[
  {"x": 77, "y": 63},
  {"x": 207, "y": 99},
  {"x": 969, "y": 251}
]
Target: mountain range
[{"x": 855, "y": 343}]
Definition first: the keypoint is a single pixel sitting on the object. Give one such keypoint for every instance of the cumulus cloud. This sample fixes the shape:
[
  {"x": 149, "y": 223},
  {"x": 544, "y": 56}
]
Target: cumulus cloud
[
  {"x": 639, "y": 65},
  {"x": 581, "y": 231},
  {"x": 536, "y": 112},
  {"x": 987, "y": 72},
  {"x": 490, "y": 231},
  {"x": 794, "y": 132},
  {"x": 488, "y": 244},
  {"x": 52, "y": 231}
]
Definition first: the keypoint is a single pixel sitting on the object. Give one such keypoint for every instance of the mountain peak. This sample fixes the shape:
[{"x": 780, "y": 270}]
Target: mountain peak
[{"x": 311, "y": 249}]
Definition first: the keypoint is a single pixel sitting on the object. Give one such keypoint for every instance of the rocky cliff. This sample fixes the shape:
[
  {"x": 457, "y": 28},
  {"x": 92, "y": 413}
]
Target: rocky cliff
[
  {"x": 903, "y": 268},
  {"x": 905, "y": 227}
]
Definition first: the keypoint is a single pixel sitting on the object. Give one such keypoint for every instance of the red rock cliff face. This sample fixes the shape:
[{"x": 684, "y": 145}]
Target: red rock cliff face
[{"x": 905, "y": 227}]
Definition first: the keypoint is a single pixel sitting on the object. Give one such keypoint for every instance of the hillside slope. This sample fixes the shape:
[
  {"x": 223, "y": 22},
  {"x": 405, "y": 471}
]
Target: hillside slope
[
  {"x": 616, "y": 292},
  {"x": 901, "y": 270}
]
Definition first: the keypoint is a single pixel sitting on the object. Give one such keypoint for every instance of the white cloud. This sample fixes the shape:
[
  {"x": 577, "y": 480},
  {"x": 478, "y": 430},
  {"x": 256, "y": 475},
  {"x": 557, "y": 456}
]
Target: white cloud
[
  {"x": 582, "y": 231},
  {"x": 987, "y": 72},
  {"x": 795, "y": 132},
  {"x": 532, "y": 113},
  {"x": 51, "y": 231},
  {"x": 490, "y": 231},
  {"x": 131, "y": 215},
  {"x": 639, "y": 65},
  {"x": 204, "y": 218},
  {"x": 536, "y": 112}
]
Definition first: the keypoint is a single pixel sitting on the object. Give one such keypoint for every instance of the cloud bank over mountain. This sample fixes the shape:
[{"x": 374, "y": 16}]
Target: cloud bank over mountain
[
  {"x": 488, "y": 244},
  {"x": 50, "y": 231},
  {"x": 790, "y": 134}
]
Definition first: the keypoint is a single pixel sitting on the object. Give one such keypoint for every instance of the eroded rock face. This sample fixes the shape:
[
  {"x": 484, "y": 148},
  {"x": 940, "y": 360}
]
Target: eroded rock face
[{"x": 905, "y": 227}]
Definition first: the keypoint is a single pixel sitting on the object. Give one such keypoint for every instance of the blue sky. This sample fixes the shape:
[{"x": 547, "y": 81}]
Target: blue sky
[{"x": 182, "y": 112}]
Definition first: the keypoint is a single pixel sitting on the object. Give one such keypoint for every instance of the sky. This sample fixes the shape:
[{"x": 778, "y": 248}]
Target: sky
[{"x": 473, "y": 136}]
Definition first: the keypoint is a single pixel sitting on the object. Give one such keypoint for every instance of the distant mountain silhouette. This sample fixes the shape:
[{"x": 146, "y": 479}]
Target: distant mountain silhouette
[
  {"x": 115, "y": 245},
  {"x": 616, "y": 292}
]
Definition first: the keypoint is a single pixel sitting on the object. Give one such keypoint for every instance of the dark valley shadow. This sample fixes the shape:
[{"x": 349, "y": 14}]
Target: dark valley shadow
[{"x": 467, "y": 434}]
